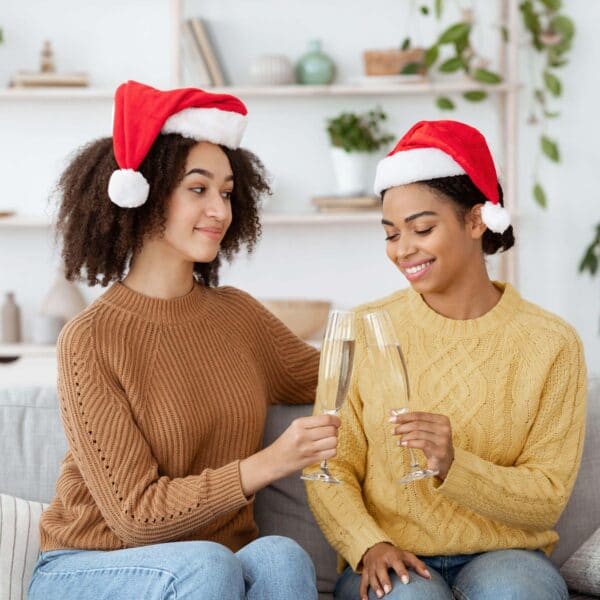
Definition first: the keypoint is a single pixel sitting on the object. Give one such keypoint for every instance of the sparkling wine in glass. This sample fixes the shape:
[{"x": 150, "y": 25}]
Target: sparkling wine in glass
[
  {"x": 385, "y": 356},
  {"x": 335, "y": 372}
]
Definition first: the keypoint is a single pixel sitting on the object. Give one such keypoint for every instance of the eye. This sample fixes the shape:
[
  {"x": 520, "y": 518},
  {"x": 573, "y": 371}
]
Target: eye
[
  {"x": 423, "y": 231},
  {"x": 198, "y": 189},
  {"x": 391, "y": 237},
  {"x": 227, "y": 195}
]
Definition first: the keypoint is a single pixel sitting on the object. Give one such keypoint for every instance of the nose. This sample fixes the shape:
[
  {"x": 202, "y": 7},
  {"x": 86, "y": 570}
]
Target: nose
[
  {"x": 404, "y": 248},
  {"x": 217, "y": 207}
]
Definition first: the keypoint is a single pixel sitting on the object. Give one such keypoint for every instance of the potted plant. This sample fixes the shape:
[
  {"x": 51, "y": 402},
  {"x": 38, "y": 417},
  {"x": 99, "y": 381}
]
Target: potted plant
[{"x": 354, "y": 138}]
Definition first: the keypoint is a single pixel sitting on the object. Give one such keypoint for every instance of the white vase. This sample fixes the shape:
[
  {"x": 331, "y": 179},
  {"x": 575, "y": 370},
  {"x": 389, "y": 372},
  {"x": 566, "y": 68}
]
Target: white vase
[
  {"x": 351, "y": 171},
  {"x": 63, "y": 300},
  {"x": 272, "y": 69}
]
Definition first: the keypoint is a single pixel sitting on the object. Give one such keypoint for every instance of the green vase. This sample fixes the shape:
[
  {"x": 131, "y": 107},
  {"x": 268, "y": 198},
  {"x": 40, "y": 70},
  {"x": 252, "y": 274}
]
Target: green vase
[{"x": 315, "y": 67}]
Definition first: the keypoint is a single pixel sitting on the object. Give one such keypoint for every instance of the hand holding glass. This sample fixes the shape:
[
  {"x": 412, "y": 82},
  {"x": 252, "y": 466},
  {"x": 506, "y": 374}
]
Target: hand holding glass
[
  {"x": 386, "y": 357},
  {"x": 335, "y": 371}
]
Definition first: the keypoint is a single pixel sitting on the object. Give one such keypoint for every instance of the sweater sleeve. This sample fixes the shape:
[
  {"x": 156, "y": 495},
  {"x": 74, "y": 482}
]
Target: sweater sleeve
[
  {"x": 531, "y": 494},
  {"x": 139, "y": 505},
  {"x": 340, "y": 510},
  {"x": 291, "y": 365}
]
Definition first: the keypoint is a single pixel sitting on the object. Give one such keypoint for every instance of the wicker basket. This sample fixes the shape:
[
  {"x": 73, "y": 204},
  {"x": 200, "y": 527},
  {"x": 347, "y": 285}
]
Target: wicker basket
[
  {"x": 391, "y": 62},
  {"x": 305, "y": 318}
]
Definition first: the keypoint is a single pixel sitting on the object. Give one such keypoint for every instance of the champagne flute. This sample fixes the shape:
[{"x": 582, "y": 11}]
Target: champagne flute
[
  {"x": 335, "y": 372},
  {"x": 386, "y": 357}
]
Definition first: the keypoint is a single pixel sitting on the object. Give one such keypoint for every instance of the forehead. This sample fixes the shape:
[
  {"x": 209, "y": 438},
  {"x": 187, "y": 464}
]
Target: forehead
[
  {"x": 205, "y": 155},
  {"x": 405, "y": 200}
]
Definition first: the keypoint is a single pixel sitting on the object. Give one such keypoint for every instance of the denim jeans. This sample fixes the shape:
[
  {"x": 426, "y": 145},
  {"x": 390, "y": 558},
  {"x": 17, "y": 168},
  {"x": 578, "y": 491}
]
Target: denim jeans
[
  {"x": 271, "y": 567},
  {"x": 498, "y": 575}
]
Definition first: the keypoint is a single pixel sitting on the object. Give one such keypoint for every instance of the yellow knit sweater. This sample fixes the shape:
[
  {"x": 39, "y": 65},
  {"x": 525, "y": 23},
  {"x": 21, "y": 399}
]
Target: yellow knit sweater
[
  {"x": 160, "y": 399},
  {"x": 512, "y": 383}
]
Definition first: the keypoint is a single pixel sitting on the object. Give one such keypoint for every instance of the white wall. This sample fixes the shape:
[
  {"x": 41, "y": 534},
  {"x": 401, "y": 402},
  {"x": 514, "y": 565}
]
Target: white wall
[{"x": 120, "y": 39}]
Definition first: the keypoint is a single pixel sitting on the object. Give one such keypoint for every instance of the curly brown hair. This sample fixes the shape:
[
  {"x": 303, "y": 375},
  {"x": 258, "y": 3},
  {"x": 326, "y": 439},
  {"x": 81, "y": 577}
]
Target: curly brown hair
[{"x": 101, "y": 238}]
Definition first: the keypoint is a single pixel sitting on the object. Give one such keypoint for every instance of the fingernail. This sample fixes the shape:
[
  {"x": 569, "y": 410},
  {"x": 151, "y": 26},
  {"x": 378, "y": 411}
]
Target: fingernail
[
  {"x": 427, "y": 573},
  {"x": 405, "y": 579},
  {"x": 392, "y": 419},
  {"x": 404, "y": 443},
  {"x": 387, "y": 588},
  {"x": 379, "y": 593}
]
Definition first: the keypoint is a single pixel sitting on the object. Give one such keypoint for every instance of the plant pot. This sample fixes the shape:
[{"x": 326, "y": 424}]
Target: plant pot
[
  {"x": 391, "y": 62},
  {"x": 351, "y": 171}
]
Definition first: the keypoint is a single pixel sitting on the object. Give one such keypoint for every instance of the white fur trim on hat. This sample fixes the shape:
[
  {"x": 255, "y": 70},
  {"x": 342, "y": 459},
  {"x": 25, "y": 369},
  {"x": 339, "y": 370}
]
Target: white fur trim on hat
[
  {"x": 128, "y": 188},
  {"x": 495, "y": 216},
  {"x": 223, "y": 127},
  {"x": 410, "y": 166}
]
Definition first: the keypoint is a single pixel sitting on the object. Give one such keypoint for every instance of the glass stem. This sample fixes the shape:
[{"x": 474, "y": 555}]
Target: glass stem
[{"x": 414, "y": 463}]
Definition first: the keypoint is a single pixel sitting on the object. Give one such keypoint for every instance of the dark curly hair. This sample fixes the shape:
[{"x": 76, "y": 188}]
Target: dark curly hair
[
  {"x": 101, "y": 238},
  {"x": 462, "y": 191}
]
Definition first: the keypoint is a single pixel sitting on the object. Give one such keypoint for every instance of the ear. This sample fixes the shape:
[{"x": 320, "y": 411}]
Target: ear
[{"x": 474, "y": 222}]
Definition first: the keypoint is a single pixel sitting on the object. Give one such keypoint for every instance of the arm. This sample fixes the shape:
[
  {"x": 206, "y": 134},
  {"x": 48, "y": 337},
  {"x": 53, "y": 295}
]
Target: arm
[
  {"x": 340, "y": 510},
  {"x": 532, "y": 493},
  {"x": 139, "y": 505}
]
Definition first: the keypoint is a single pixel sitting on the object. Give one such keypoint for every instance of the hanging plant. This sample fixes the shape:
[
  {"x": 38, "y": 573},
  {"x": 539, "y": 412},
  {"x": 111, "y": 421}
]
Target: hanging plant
[
  {"x": 552, "y": 34},
  {"x": 464, "y": 57}
]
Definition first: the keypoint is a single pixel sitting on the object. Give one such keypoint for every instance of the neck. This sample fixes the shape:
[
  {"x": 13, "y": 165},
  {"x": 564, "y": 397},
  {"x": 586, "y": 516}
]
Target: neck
[
  {"x": 156, "y": 273},
  {"x": 470, "y": 297}
]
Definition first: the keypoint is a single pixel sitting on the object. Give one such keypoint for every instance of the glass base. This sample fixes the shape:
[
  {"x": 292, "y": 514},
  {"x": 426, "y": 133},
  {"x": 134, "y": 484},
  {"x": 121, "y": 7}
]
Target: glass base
[
  {"x": 324, "y": 477},
  {"x": 418, "y": 475}
]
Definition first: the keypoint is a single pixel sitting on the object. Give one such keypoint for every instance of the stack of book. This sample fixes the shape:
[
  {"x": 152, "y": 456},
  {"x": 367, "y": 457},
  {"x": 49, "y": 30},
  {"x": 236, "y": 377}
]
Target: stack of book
[
  {"x": 345, "y": 203},
  {"x": 200, "y": 58},
  {"x": 28, "y": 79}
]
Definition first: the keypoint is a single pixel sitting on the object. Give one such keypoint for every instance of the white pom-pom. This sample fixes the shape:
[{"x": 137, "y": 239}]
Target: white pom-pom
[
  {"x": 128, "y": 188},
  {"x": 496, "y": 217}
]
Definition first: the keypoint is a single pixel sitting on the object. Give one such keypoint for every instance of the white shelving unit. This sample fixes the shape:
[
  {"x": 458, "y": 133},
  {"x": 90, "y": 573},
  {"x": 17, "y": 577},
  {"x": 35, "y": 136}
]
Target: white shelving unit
[{"x": 9, "y": 350}]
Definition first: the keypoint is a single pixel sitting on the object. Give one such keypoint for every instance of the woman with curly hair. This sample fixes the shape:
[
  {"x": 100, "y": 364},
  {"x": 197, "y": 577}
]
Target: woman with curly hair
[
  {"x": 165, "y": 380},
  {"x": 496, "y": 407}
]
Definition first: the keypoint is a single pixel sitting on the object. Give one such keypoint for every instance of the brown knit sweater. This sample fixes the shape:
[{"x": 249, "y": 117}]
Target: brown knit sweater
[{"x": 160, "y": 399}]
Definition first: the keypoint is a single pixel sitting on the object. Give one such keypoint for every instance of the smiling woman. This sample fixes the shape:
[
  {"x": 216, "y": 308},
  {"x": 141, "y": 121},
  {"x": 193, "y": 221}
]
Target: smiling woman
[
  {"x": 165, "y": 380},
  {"x": 497, "y": 399}
]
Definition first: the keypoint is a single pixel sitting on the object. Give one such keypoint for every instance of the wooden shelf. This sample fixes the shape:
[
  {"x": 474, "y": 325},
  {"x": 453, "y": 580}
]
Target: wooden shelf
[
  {"x": 26, "y": 350},
  {"x": 278, "y": 91},
  {"x": 267, "y": 218}
]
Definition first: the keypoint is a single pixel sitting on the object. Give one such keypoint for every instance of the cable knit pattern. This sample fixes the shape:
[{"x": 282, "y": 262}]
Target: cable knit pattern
[
  {"x": 512, "y": 383},
  {"x": 160, "y": 399}
]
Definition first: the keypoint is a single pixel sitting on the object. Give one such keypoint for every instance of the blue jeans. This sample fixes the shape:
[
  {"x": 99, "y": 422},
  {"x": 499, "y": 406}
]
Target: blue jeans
[
  {"x": 271, "y": 567},
  {"x": 498, "y": 575}
]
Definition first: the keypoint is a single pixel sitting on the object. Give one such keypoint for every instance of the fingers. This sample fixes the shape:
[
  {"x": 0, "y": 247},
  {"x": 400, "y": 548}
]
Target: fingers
[
  {"x": 363, "y": 590},
  {"x": 410, "y": 416},
  {"x": 383, "y": 578},
  {"x": 400, "y": 568},
  {"x": 417, "y": 564},
  {"x": 319, "y": 433},
  {"x": 375, "y": 584},
  {"x": 319, "y": 421}
]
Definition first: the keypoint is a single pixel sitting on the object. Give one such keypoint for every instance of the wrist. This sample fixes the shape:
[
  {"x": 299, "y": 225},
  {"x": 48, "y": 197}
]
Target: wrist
[{"x": 256, "y": 472}]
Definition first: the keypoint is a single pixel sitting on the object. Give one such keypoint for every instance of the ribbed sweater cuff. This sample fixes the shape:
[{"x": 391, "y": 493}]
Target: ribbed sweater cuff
[
  {"x": 367, "y": 536},
  {"x": 460, "y": 478},
  {"x": 226, "y": 483}
]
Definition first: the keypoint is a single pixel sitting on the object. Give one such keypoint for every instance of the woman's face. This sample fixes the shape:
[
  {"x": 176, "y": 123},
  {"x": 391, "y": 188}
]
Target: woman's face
[
  {"x": 199, "y": 210},
  {"x": 427, "y": 241}
]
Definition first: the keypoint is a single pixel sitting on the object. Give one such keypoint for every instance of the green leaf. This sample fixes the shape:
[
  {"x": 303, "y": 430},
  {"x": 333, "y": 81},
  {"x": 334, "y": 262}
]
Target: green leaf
[
  {"x": 486, "y": 76},
  {"x": 411, "y": 68},
  {"x": 589, "y": 262},
  {"x": 455, "y": 33},
  {"x": 556, "y": 63},
  {"x": 461, "y": 45},
  {"x": 551, "y": 115},
  {"x": 553, "y": 84},
  {"x": 540, "y": 96},
  {"x": 552, "y": 4},
  {"x": 431, "y": 55},
  {"x": 530, "y": 18},
  {"x": 563, "y": 25},
  {"x": 550, "y": 148},
  {"x": 444, "y": 103},
  {"x": 539, "y": 195},
  {"x": 424, "y": 10},
  {"x": 438, "y": 9},
  {"x": 451, "y": 65},
  {"x": 405, "y": 44},
  {"x": 504, "y": 33},
  {"x": 475, "y": 96}
]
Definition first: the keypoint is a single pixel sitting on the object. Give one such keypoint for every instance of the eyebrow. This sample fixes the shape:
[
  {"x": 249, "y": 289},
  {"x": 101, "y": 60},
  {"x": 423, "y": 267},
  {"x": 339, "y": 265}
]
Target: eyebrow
[
  {"x": 206, "y": 174},
  {"x": 425, "y": 213}
]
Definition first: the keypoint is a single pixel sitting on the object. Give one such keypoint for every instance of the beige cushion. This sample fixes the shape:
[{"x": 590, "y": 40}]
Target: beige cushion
[
  {"x": 19, "y": 544},
  {"x": 582, "y": 570}
]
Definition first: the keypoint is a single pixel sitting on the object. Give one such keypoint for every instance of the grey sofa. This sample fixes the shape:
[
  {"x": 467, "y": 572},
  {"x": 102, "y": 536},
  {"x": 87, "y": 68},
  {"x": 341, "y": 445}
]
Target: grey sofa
[{"x": 32, "y": 445}]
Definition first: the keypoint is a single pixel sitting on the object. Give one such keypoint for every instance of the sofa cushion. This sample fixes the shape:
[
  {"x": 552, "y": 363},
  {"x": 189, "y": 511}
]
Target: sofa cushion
[
  {"x": 581, "y": 517},
  {"x": 32, "y": 443},
  {"x": 19, "y": 544},
  {"x": 582, "y": 570},
  {"x": 282, "y": 508}
]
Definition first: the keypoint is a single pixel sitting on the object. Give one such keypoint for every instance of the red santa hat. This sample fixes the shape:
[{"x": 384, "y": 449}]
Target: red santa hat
[
  {"x": 141, "y": 113},
  {"x": 434, "y": 149}
]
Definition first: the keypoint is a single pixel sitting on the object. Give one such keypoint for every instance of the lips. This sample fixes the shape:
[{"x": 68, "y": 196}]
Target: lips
[{"x": 214, "y": 233}]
